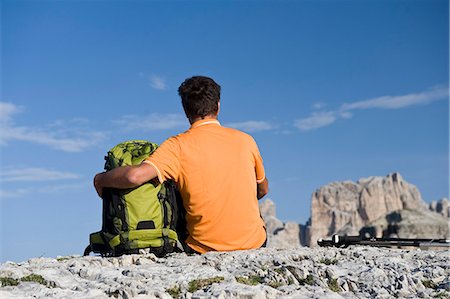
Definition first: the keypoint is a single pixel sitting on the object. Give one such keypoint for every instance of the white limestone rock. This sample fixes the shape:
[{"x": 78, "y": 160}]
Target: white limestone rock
[{"x": 355, "y": 272}]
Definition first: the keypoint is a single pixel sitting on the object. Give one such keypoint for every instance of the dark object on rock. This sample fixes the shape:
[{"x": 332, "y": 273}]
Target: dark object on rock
[{"x": 345, "y": 241}]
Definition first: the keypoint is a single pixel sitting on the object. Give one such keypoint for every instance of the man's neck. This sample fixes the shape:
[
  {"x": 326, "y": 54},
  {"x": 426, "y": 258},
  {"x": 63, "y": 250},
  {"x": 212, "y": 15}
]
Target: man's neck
[{"x": 208, "y": 117}]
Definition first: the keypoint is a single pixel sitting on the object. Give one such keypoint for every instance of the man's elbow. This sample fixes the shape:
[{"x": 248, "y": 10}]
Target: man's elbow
[
  {"x": 263, "y": 189},
  {"x": 261, "y": 194},
  {"x": 134, "y": 178}
]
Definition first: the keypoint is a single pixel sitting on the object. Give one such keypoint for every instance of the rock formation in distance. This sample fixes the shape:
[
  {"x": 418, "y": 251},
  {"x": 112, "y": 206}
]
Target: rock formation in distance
[
  {"x": 346, "y": 207},
  {"x": 279, "y": 234},
  {"x": 409, "y": 224},
  {"x": 441, "y": 206}
]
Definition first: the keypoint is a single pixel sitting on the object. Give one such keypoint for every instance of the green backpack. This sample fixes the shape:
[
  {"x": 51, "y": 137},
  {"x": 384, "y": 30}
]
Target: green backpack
[{"x": 148, "y": 216}]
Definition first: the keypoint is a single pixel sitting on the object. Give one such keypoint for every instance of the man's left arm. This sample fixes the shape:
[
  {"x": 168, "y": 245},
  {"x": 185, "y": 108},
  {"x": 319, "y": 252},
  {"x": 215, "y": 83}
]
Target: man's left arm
[{"x": 262, "y": 184}]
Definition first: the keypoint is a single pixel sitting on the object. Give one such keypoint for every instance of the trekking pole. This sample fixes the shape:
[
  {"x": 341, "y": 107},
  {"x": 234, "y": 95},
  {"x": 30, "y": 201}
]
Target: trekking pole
[{"x": 345, "y": 241}]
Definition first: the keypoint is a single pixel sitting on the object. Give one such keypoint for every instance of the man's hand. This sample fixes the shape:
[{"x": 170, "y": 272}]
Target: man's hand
[{"x": 97, "y": 184}]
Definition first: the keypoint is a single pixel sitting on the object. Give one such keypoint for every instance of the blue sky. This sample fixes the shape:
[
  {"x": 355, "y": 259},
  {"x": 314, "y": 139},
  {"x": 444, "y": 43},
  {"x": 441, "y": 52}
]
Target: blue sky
[{"x": 330, "y": 90}]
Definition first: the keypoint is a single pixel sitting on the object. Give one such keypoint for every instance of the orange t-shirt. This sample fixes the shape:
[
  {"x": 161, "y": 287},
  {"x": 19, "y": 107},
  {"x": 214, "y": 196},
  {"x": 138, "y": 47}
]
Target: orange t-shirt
[{"x": 216, "y": 170}]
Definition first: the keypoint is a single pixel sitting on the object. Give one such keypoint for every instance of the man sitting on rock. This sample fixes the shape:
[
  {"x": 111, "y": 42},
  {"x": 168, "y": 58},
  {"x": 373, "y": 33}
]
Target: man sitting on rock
[{"x": 219, "y": 172}]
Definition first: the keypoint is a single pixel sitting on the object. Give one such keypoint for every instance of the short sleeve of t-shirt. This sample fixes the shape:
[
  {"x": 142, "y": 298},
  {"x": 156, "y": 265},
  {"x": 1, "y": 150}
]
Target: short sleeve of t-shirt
[
  {"x": 166, "y": 160},
  {"x": 259, "y": 166}
]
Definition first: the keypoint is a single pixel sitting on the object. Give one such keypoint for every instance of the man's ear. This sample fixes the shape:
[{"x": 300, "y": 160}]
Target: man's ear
[{"x": 218, "y": 107}]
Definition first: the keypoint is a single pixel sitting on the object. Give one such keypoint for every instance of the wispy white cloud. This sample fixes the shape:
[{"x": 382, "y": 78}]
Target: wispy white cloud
[
  {"x": 316, "y": 120},
  {"x": 283, "y": 132},
  {"x": 252, "y": 126},
  {"x": 64, "y": 123},
  {"x": 326, "y": 118},
  {"x": 19, "y": 192},
  {"x": 34, "y": 175},
  {"x": 7, "y": 110},
  {"x": 155, "y": 81},
  {"x": 46, "y": 189},
  {"x": 160, "y": 121},
  {"x": 158, "y": 82},
  {"x": 398, "y": 102},
  {"x": 78, "y": 143},
  {"x": 318, "y": 105},
  {"x": 69, "y": 138},
  {"x": 152, "y": 122}
]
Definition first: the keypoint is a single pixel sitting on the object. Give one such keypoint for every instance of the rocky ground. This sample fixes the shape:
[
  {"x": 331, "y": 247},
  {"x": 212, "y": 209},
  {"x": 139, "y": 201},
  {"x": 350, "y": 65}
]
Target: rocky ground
[{"x": 357, "y": 272}]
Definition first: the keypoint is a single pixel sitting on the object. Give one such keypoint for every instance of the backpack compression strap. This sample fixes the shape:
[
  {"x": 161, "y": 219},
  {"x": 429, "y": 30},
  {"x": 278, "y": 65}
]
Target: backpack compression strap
[{"x": 145, "y": 237}]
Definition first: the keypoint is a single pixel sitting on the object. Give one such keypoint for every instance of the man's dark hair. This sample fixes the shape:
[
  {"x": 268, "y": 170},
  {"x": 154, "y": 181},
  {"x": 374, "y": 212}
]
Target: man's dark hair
[{"x": 200, "y": 96}]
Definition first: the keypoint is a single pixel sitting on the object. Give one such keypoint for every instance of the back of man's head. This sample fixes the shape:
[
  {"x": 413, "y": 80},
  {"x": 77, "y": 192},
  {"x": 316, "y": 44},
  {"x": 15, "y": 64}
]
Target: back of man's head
[{"x": 200, "y": 97}]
